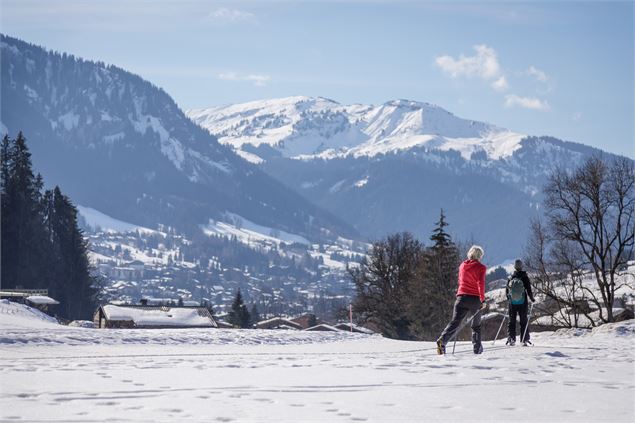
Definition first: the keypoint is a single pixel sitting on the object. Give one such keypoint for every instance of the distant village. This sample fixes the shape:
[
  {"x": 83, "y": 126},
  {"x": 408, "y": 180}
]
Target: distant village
[{"x": 279, "y": 279}]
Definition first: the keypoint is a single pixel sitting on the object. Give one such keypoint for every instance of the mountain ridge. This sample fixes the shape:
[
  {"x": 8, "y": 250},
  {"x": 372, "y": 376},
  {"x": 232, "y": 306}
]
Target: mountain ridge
[
  {"x": 381, "y": 167},
  {"x": 146, "y": 161},
  {"x": 330, "y": 129}
]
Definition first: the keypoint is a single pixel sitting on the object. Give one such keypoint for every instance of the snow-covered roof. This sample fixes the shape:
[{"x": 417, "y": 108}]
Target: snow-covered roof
[
  {"x": 41, "y": 300},
  {"x": 277, "y": 322},
  {"x": 323, "y": 327},
  {"x": 356, "y": 328},
  {"x": 160, "y": 316}
]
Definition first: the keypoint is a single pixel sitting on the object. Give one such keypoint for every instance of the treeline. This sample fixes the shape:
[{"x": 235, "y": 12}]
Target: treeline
[
  {"x": 42, "y": 245},
  {"x": 405, "y": 289},
  {"x": 578, "y": 257}
]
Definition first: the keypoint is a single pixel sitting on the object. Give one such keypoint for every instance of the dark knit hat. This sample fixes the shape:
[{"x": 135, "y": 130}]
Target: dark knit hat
[{"x": 518, "y": 264}]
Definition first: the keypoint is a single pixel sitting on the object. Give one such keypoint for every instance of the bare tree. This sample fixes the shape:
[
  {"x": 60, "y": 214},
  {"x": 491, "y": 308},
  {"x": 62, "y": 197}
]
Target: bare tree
[
  {"x": 590, "y": 221},
  {"x": 382, "y": 283},
  {"x": 558, "y": 274}
]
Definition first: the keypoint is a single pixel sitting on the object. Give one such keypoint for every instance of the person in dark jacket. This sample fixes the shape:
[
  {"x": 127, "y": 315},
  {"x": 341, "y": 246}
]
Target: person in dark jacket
[
  {"x": 518, "y": 307},
  {"x": 470, "y": 298}
]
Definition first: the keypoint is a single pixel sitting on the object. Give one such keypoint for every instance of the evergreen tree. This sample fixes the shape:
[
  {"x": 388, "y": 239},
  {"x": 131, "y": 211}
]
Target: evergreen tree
[
  {"x": 441, "y": 238},
  {"x": 72, "y": 285},
  {"x": 42, "y": 246},
  {"x": 239, "y": 315},
  {"x": 24, "y": 241},
  {"x": 432, "y": 294}
]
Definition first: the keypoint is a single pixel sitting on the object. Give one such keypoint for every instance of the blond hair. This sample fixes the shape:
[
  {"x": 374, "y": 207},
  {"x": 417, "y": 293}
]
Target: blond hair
[{"x": 475, "y": 253}]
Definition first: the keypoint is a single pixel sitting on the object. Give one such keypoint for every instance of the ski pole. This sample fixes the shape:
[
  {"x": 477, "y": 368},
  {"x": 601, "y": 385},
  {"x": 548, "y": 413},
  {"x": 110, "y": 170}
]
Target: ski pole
[
  {"x": 499, "y": 329},
  {"x": 462, "y": 326},
  {"x": 531, "y": 307}
]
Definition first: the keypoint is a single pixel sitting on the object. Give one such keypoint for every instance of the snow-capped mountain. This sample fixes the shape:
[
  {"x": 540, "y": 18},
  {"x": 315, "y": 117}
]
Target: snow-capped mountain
[
  {"x": 305, "y": 127},
  {"x": 391, "y": 167},
  {"x": 119, "y": 144}
]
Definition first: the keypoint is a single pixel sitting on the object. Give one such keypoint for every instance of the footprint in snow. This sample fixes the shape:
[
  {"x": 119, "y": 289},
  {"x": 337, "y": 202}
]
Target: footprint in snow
[{"x": 556, "y": 354}]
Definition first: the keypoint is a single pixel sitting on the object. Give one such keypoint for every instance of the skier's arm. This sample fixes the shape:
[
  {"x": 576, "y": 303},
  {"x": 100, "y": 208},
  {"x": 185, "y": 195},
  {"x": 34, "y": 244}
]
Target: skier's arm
[
  {"x": 528, "y": 288},
  {"x": 481, "y": 285}
]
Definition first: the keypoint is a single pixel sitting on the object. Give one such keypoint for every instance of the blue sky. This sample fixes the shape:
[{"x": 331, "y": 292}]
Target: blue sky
[{"x": 543, "y": 68}]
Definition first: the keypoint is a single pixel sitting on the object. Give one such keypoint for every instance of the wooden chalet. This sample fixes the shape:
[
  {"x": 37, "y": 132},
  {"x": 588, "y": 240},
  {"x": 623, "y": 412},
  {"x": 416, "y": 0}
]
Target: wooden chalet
[
  {"x": 278, "y": 323},
  {"x": 307, "y": 320},
  {"x": 36, "y": 298},
  {"x": 135, "y": 316},
  {"x": 322, "y": 328}
]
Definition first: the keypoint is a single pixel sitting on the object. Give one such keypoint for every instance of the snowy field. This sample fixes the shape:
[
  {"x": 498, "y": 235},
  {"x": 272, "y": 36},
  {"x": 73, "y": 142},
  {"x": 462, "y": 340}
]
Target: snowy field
[{"x": 55, "y": 373}]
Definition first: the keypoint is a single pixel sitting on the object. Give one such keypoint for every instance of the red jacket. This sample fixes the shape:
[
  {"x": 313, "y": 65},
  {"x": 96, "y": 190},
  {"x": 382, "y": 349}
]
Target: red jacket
[{"x": 472, "y": 279}]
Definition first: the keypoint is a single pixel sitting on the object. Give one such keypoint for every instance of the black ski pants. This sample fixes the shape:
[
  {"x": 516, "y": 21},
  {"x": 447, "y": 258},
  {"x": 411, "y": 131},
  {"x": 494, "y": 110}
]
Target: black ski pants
[
  {"x": 519, "y": 310},
  {"x": 464, "y": 304}
]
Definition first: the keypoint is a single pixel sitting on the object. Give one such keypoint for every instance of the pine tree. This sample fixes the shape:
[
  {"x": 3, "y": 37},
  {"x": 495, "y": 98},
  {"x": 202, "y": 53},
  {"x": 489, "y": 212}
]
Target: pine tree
[
  {"x": 441, "y": 238},
  {"x": 24, "y": 241},
  {"x": 73, "y": 284},
  {"x": 432, "y": 294},
  {"x": 239, "y": 315}
]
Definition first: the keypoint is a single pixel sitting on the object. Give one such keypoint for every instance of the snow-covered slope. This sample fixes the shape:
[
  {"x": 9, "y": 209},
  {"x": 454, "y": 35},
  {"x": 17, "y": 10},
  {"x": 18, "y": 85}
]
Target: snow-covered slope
[
  {"x": 98, "y": 221},
  {"x": 119, "y": 144},
  {"x": 14, "y": 315},
  {"x": 306, "y": 127},
  {"x": 208, "y": 375}
]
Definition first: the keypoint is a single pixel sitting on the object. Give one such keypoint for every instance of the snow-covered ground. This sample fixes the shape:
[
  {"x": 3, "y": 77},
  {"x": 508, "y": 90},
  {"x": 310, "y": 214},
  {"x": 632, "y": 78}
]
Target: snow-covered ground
[
  {"x": 100, "y": 221},
  {"x": 55, "y": 373}
]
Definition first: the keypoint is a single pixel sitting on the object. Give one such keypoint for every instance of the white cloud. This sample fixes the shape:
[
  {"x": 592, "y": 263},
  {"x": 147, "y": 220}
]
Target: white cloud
[
  {"x": 512, "y": 100},
  {"x": 258, "y": 80},
  {"x": 500, "y": 84},
  {"x": 225, "y": 15},
  {"x": 538, "y": 74},
  {"x": 483, "y": 65}
]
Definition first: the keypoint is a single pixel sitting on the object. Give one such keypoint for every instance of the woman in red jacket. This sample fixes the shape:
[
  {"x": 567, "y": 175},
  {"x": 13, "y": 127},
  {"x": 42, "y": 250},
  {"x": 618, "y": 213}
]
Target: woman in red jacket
[{"x": 470, "y": 297}]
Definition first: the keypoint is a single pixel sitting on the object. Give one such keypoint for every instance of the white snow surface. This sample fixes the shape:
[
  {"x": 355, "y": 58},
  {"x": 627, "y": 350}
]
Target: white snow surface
[
  {"x": 96, "y": 219},
  {"x": 307, "y": 127},
  {"x": 250, "y": 233},
  {"x": 50, "y": 372}
]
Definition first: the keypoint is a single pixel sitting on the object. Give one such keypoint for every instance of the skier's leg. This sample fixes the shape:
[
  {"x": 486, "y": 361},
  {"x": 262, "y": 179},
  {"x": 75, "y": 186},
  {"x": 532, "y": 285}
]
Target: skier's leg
[
  {"x": 522, "y": 311},
  {"x": 476, "y": 329},
  {"x": 511, "y": 326},
  {"x": 457, "y": 315}
]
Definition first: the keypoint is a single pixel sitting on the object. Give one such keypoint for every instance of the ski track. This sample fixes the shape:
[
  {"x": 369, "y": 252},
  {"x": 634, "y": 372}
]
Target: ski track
[{"x": 282, "y": 376}]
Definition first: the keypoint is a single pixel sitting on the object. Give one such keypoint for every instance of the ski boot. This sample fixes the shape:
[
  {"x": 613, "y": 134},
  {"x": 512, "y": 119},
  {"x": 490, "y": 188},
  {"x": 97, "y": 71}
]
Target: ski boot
[
  {"x": 476, "y": 342},
  {"x": 440, "y": 347},
  {"x": 511, "y": 342},
  {"x": 527, "y": 343}
]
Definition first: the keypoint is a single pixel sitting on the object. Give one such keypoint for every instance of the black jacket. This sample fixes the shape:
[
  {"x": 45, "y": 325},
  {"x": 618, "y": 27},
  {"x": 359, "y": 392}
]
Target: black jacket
[{"x": 522, "y": 275}]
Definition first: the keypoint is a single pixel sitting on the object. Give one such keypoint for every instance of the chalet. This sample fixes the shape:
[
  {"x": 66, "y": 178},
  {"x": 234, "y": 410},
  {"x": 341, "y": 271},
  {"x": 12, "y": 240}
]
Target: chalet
[
  {"x": 322, "y": 328},
  {"x": 307, "y": 320},
  {"x": 278, "y": 323},
  {"x": 224, "y": 325},
  {"x": 134, "y": 316},
  {"x": 36, "y": 298},
  {"x": 358, "y": 329},
  {"x": 41, "y": 302}
]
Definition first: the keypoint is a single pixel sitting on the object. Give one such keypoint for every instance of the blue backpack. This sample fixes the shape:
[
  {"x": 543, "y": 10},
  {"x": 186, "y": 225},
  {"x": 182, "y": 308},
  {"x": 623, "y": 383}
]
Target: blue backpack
[{"x": 516, "y": 290}]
